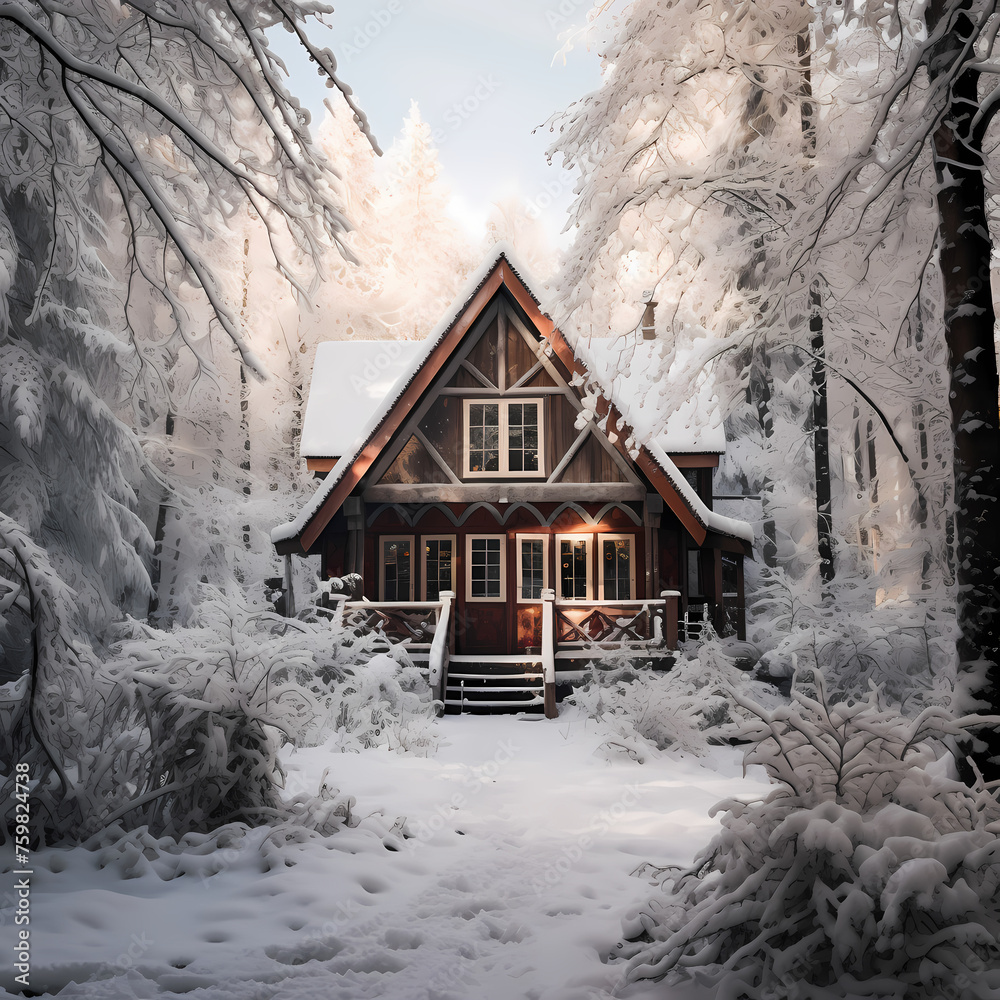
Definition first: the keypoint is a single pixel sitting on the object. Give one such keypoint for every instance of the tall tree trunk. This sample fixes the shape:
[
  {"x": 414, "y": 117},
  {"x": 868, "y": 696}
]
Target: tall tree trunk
[
  {"x": 969, "y": 325},
  {"x": 760, "y": 393},
  {"x": 821, "y": 430},
  {"x": 245, "y": 393},
  {"x": 821, "y": 440}
]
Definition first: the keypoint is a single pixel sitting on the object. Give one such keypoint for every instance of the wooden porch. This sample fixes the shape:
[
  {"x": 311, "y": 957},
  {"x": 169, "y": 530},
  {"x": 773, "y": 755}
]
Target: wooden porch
[{"x": 573, "y": 633}]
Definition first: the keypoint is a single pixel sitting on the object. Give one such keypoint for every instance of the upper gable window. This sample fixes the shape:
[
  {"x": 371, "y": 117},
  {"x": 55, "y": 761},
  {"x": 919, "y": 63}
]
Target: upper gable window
[{"x": 503, "y": 437}]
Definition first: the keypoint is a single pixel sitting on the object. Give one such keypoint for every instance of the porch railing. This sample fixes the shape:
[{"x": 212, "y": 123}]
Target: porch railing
[
  {"x": 425, "y": 628},
  {"x": 569, "y": 630}
]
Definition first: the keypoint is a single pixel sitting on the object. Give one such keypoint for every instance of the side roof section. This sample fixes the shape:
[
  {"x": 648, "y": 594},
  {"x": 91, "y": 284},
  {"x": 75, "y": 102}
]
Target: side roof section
[
  {"x": 350, "y": 381},
  {"x": 301, "y": 534},
  {"x": 628, "y": 371}
]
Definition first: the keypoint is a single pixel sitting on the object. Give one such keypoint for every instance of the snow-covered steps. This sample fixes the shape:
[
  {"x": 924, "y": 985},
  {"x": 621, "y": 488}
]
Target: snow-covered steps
[{"x": 494, "y": 685}]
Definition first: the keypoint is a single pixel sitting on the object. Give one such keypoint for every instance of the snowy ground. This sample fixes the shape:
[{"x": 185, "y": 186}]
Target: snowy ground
[{"x": 512, "y": 883}]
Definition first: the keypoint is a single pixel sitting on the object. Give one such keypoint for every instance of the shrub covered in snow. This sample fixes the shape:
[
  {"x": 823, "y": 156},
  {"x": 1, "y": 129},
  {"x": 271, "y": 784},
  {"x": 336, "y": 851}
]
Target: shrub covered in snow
[
  {"x": 645, "y": 710},
  {"x": 178, "y": 730},
  {"x": 868, "y": 871},
  {"x": 906, "y": 647}
]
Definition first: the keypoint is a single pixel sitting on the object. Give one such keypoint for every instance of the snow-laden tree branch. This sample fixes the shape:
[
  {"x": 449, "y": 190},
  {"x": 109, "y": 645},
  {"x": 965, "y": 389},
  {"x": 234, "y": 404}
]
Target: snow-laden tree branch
[
  {"x": 184, "y": 107},
  {"x": 131, "y": 136},
  {"x": 741, "y": 155}
]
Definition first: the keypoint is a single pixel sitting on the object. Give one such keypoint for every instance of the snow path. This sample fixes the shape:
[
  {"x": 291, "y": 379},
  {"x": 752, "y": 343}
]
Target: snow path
[{"x": 512, "y": 884}]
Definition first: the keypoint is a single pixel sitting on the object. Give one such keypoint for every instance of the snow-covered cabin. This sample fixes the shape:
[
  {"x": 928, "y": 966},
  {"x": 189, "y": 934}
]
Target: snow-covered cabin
[{"x": 477, "y": 464}]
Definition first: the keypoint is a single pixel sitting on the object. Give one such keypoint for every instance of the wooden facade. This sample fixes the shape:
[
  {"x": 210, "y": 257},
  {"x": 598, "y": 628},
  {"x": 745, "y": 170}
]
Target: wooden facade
[{"x": 487, "y": 476}]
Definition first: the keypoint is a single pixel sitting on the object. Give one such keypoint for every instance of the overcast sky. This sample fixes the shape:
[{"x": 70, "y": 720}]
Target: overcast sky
[{"x": 484, "y": 74}]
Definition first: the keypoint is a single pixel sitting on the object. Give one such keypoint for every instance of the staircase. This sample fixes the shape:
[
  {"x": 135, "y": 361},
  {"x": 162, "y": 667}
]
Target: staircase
[{"x": 494, "y": 685}]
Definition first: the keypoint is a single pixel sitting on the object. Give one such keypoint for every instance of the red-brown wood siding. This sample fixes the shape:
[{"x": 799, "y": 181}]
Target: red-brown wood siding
[{"x": 505, "y": 626}]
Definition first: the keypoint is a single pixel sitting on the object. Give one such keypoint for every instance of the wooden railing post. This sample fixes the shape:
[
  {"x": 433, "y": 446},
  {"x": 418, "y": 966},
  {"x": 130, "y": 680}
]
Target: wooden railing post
[
  {"x": 549, "y": 653},
  {"x": 671, "y": 611},
  {"x": 439, "y": 651},
  {"x": 339, "y": 604},
  {"x": 289, "y": 589}
]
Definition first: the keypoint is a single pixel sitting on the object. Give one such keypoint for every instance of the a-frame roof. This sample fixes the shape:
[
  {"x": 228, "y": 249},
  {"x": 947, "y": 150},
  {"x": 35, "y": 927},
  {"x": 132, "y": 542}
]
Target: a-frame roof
[{"x": 496, "y": 272}]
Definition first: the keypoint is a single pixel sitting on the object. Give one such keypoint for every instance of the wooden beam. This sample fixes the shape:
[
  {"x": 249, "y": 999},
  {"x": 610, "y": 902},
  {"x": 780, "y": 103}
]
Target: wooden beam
[
  {"x": 616, "y": 425},
  {"x": 321, "y": 464},
  {"x": 390, "y": 423},
  {"x": 570, "y": 452},
  {"x": 493, "y": 492},
  {"x": 436, "y": 455},
  {"x": 477, "y": 374},
  {"x": 502, "y": 346},
  {"x": 474, "y": 392},
  {"x": 699, "y": 460},
  {"x": 530, "y": 374}
]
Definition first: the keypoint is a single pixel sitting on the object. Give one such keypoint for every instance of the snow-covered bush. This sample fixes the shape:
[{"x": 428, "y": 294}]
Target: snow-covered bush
[
  {"x": 868, "y": 871},
  {"x": 179, "y": 730},
  {"x": 645, "y": 710},
  {"x": 906, "y": 647},
  {"x": 382, "y": 703}
]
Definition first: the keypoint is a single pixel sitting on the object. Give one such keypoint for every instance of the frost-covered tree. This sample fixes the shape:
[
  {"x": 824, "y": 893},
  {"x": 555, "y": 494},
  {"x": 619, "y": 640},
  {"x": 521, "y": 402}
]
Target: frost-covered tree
[
  {"x": 129, "y": 134},
  {"x": 232, "y": 448},
  {"x": 868, "y": 870},
  {"x": 412, "y": 258},
  {"x": 765, "y": 168},
  {"x": 429, "y": 257}
]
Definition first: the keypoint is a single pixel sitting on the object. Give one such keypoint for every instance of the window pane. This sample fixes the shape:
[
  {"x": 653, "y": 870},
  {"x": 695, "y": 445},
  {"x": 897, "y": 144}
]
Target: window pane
[
  {"x": 532, "y": 575},
  {"x": 485, "y": 567},
  {"x": 484, "y": 437},
  {"x": 396, "y": 570},
  {"x": 616, "y": 566},
  {"x": 522, "y": 437},
  {"x": 573, "y": 568},
  {"x": 437, "y": 567}
]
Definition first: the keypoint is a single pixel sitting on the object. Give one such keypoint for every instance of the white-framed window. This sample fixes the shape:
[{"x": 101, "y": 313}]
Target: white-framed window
[
  {"x": 532, "y": 567},
  {"x": 616, "y": 567},
  {"x": 396, "y": 563},
  {"x": 438, "y": 566},
  {"x": 503, "y": 437},
  {"x": 574, "y": 572},
  {"x": 486, "y": 567}
]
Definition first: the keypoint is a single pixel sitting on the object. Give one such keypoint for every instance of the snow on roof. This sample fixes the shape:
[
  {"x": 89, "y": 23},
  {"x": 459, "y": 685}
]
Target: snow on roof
[
  {"x": 706, "y": 517},
  {"x": 351, "y": 378},
  {"x": 422, "y": 352},
  {"x": 356, "y": 430},
  {"x": 628, "y": 370}
]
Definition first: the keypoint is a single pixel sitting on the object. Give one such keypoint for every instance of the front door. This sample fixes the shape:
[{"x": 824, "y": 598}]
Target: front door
[
  {"x": 529, "y": 572},
  {"x": 485, "y": 628}
]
